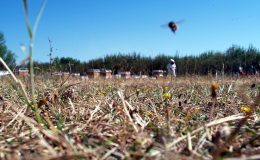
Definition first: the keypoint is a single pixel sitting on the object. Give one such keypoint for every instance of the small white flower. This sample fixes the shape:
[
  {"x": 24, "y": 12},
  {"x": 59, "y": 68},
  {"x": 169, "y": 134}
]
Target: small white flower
[
  {"x": 23, "y": 48},
  {"x": 225, "y": 130}
]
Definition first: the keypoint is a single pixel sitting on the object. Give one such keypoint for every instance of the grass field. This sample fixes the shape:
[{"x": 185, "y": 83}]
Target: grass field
[{"x": 188, "y": 118}]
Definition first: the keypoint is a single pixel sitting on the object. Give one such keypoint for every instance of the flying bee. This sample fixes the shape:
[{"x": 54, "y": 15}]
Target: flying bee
[{"x": 173, "y": 25}]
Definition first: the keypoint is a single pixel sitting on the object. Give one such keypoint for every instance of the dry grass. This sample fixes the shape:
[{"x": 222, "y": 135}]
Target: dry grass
[{"x": 130, "y": 119}]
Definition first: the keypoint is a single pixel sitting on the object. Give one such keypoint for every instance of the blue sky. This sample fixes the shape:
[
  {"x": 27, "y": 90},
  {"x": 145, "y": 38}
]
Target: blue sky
[{"x": 87, "y": 29}]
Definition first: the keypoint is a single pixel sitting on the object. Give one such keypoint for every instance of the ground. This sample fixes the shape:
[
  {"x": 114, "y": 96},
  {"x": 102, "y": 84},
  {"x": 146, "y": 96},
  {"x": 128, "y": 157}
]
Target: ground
[{"x": 186, "y": 118}]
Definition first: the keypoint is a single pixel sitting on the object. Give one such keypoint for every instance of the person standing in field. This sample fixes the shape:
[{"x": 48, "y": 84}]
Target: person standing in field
[
  {"x": 171, "y": 67},
  {"x": 241, "y": 71}
]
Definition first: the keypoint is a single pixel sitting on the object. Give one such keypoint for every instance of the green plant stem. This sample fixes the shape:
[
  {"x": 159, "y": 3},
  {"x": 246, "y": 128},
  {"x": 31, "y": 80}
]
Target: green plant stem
[
  {"x": 32, "y": 73},
  {"x": 32, "y": 33}
]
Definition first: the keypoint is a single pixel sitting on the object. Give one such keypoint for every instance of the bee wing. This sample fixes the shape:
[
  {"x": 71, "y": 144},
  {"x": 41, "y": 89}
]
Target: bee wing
[
  {"x": 164, "y": 25},
  {"x": 180, "y": 21}
]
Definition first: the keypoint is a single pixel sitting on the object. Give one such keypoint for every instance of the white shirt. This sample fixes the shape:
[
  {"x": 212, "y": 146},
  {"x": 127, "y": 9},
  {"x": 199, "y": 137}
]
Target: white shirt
[{"x": 171, "y": 67}]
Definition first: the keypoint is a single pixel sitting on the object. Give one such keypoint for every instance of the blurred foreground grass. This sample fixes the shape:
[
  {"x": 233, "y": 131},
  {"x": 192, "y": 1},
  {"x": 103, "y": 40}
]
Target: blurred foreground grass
[{"x": 129, "y": 119}]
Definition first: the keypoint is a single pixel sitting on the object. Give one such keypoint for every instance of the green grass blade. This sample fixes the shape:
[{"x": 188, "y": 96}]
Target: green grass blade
[
  {"x": 39, "y": 17},
  {"x": 28, "y": 26}
]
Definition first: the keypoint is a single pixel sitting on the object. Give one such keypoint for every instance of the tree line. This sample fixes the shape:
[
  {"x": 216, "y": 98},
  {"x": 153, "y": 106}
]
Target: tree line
[
  {"x": 7, "y": 55},
  {"x": 205, "y": 63},
  {"x": 208, "y": 62}
]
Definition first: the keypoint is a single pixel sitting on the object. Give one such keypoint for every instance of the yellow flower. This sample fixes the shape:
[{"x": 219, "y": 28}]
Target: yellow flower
[
  {"x": 148, "y": 113},
  {"x": 167, "y": 96},
  {"x": 245, "y": 109},
  {"x": 102, "y": 93},
  {"x": 214, "y": 87}
]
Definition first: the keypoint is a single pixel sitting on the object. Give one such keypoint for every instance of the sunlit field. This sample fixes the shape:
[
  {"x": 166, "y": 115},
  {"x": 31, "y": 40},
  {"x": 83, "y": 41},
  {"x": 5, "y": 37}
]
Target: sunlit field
[
  {"x": 85, "y": 102},
  {"x": 188, "y": 117}
]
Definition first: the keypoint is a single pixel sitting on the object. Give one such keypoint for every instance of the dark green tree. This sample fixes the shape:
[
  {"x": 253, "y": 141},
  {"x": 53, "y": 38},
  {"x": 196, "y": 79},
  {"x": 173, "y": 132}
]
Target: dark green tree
[
  {"x": 208, "y": 62},
  {"x": 5, "y": 54}
]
